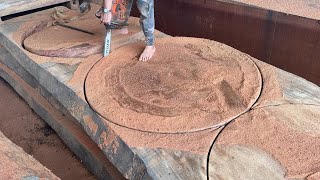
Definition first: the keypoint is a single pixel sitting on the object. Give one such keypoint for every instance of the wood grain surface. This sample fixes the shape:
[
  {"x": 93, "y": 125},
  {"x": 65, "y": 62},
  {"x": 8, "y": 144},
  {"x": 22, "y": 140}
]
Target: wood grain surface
[{"x": 8, "y": 7}]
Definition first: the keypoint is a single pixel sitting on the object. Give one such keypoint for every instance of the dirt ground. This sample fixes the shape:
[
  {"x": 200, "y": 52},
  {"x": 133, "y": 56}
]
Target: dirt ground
[{"x": 26, "y": 129}]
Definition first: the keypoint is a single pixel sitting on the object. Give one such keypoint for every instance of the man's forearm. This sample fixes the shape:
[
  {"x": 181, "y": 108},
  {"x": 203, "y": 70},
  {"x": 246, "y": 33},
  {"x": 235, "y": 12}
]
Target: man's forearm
[{"x": 107, "y": 4}]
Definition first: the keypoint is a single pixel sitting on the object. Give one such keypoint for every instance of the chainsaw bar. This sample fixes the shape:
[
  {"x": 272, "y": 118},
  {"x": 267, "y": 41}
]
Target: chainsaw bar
[
  {"x": 119, "y": 20},
  {"x": 107, "y": 43}
]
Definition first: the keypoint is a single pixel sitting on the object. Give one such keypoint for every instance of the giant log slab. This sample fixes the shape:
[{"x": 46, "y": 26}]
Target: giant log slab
[
  {"x": 57, "y": 41},
  {"x": 134, "y": 108}
]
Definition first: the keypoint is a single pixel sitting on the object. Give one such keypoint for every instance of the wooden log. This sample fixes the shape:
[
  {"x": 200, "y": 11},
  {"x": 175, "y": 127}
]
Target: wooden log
[
  {"x": 72, "y": 135},
  {"x": 174, "y": 83},
  {"x": 17, "y": 164},
  {"x": 8, "y": 7},
  {"x": 57, "y": 41},
  {"x": 278, "y": 139}
]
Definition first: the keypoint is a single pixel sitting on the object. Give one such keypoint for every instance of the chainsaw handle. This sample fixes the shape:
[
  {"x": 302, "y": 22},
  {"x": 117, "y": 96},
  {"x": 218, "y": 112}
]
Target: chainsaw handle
[{"x": 112, "y": 25}]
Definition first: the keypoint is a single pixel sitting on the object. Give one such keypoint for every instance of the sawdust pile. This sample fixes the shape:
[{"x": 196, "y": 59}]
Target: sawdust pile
[
  {"x": 268, "y": 130},
  {"x": 58, "y": 41},
  {"x": 189, "y": 84}
]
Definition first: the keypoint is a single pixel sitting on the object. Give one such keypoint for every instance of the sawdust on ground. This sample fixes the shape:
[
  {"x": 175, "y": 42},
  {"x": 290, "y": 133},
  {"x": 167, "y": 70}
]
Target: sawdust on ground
[
  {"x": 22, "y": 126},
  {"x": 296, "y": 151}
]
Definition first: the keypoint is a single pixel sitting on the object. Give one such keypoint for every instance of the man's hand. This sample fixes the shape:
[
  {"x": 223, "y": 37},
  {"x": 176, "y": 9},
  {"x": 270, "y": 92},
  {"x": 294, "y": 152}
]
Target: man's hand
[{"x": 106, "y": 18}]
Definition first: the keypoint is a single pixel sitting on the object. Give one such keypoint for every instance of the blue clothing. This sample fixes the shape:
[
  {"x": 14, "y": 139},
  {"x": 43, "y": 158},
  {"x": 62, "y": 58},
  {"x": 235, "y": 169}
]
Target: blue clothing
[{"x": 147, "y": 22}]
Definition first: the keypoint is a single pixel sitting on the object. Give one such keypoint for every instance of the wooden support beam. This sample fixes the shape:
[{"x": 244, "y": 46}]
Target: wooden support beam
[{"x": 8, "y": 7}]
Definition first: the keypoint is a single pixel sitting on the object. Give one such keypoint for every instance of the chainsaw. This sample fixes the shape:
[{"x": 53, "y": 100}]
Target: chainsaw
[
  {"x": 107, "y": 40},
  {"x": 118, "y": 8}
]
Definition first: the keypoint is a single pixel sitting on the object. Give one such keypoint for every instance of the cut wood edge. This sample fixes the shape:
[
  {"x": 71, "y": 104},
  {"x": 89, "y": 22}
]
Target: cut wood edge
[{"x": 70, "y": 132}]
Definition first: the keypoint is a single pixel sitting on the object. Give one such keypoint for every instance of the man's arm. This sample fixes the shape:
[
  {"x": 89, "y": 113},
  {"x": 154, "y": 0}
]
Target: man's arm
[{"x": 106, "y": 15}]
